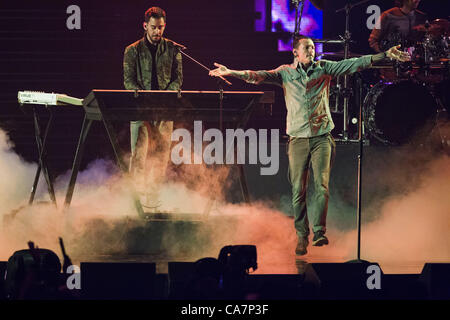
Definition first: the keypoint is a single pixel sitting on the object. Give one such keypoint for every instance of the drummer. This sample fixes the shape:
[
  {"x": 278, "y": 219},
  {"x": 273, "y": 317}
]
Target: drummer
[{"x": 396, "y": 26}]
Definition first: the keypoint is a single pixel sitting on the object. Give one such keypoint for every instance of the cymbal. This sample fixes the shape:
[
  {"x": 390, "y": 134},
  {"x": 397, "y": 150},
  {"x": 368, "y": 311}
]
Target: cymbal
[
  {"x": 339, "y": 54},
  {"x": 444, "y": 24},
  {"x": 319, "y": 4},
  {"x": 330, "y": 41},
  {"x": 436, "y": 27}
]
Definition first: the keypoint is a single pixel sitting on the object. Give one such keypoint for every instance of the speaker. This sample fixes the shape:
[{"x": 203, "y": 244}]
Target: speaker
[
  {"x": 200, "y": 280},
  {"x": 341, "y": 280},
  {"x": 180, "y": 274},
  {"x": 436, "y": 279},
  {"x": 22, "y": 264},
  {"x": 124, "y": 281},
  {"x": 403, "y": 287},
  {"x": 3, "y": 266},
  {"x": 275, "y": 287}
]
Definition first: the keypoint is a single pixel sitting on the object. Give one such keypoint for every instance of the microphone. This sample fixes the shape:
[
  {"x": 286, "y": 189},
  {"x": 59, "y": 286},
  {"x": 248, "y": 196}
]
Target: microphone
[{"x": 178, "y": 45}]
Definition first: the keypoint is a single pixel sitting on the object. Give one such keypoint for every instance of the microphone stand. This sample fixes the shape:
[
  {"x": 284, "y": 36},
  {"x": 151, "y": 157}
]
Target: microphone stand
[
  {"x": 220, "y": 81},
  {"x": 200, "y": 64},
  {"x": 347, "y": 40},
  {"x": 361, "y": 134},
  {"x": 298, "y": 18}
]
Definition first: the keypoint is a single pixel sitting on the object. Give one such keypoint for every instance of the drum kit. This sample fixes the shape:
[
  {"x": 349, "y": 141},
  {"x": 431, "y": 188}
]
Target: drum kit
[
  {"x": 402, "y": 99},
  {"x": 409, "y": 95}
]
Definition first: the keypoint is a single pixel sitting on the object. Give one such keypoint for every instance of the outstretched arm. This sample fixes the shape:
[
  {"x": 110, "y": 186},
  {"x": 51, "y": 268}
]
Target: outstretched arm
[
  {"x": 393, "y": 54},
  {"x": 255, "y": 77},
  {"x": 349, "y": 66}
]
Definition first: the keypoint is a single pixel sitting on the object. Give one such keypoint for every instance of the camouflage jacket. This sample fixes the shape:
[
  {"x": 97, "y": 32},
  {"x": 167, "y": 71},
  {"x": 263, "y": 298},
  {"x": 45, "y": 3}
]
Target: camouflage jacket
[{"x": 137, "y": 66}]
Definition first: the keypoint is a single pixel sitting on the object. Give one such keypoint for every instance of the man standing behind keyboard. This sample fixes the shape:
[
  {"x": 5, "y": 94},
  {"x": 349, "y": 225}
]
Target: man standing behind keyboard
[{"x": 151, "y": 63}]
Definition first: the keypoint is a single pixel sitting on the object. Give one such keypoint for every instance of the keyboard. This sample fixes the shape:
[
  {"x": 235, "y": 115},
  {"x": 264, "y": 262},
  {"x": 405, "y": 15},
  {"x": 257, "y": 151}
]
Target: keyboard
[{"x": 49, "y": 99}]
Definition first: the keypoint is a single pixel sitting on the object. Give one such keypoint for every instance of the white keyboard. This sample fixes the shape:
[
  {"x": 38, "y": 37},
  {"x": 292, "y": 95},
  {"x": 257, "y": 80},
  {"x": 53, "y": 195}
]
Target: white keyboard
[{"x": 43, "y": 98}]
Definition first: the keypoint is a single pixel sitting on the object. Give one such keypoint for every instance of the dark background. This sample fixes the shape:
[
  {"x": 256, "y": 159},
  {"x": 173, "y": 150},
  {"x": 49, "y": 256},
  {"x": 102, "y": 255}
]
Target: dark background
[{"x": 39, "y": 53}]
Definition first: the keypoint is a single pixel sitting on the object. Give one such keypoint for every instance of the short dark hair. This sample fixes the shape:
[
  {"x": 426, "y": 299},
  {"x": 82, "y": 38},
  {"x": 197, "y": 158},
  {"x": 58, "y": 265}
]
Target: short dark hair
[
  {"x": 297, "y": 40},
  {"x": 155, "y": 12},
  {"x": 399, "y": 3}
]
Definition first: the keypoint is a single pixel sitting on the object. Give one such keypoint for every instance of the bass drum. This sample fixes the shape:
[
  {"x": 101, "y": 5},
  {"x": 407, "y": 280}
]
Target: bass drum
[{"x": 401, "y": 112}]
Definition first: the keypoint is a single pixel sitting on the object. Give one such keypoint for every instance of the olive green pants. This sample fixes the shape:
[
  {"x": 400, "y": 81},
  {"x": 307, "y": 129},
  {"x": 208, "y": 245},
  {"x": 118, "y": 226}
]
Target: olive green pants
[
  {"x": 305, "y": 154},
  {"x": 149, "y": 140}
]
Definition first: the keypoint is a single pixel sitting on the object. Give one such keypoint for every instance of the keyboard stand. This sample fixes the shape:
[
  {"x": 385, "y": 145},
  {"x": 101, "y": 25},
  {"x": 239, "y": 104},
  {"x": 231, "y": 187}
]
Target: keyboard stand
[
  {"x": 41, "y": 142},
  {"x": 108, "y": 106}
]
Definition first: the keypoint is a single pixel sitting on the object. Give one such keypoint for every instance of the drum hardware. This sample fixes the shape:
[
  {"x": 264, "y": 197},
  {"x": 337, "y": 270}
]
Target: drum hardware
[
  {"x": 298, "y": 15},
  {"x": 431, "y": 66},
  {"x": 337, "y": 92},
  {"x": 346, "y": 92},
  {"x": 339, "y": 54},
  {"x": 347, "y": 40},
  {"x": 334, "y": 98},
  {"x": 436, "y": 27},
  {"x": 330, "y": 41},
  {"x": 402, "y": 69},
  {"x": 426, "y": 70},
  {"x": 433, "y": 46},
  {"x": 397, "y": 112}
]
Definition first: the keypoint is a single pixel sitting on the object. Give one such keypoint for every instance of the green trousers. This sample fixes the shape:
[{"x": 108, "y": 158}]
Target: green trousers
[
  {"x": 305, "y": 154},
  {"x": 149, "y": 140}
]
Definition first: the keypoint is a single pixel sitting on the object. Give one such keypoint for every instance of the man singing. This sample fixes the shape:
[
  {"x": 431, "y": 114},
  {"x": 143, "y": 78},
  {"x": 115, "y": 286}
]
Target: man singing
[
  {"x": 151, "y": 63},
  {"x": 306, "y": 87}
]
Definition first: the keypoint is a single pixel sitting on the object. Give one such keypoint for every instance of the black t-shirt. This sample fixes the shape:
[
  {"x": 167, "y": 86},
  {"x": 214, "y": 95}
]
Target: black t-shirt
[{"x": 153, "y": 48}]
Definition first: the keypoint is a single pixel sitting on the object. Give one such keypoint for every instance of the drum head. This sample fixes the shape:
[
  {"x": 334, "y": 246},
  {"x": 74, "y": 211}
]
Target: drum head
[{"x": 400, "y": 112}]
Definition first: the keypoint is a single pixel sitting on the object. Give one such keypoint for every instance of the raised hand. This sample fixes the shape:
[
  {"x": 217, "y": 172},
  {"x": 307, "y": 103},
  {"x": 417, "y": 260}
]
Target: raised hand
[
  {"x": 221, "y": 70},
  {"x": 395, "y": 54}
]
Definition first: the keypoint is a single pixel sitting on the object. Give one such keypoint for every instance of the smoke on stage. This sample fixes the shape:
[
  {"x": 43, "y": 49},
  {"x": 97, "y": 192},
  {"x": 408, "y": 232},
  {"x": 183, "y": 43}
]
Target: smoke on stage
[{"x": 409, "y": 222}]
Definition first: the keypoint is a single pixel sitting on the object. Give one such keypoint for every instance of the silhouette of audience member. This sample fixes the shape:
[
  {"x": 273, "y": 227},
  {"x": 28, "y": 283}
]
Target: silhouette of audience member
[{"x": 35, "y": 274}]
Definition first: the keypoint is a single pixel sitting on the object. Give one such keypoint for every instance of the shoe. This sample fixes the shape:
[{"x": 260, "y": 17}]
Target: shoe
[
  {"x": 319, "y": 239},
  {"x": 302, "y": 244}
]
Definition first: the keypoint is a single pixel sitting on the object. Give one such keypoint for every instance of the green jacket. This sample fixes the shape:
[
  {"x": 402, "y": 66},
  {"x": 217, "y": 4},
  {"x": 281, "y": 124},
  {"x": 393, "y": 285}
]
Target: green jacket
[{"x": 137, "y": 66}]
